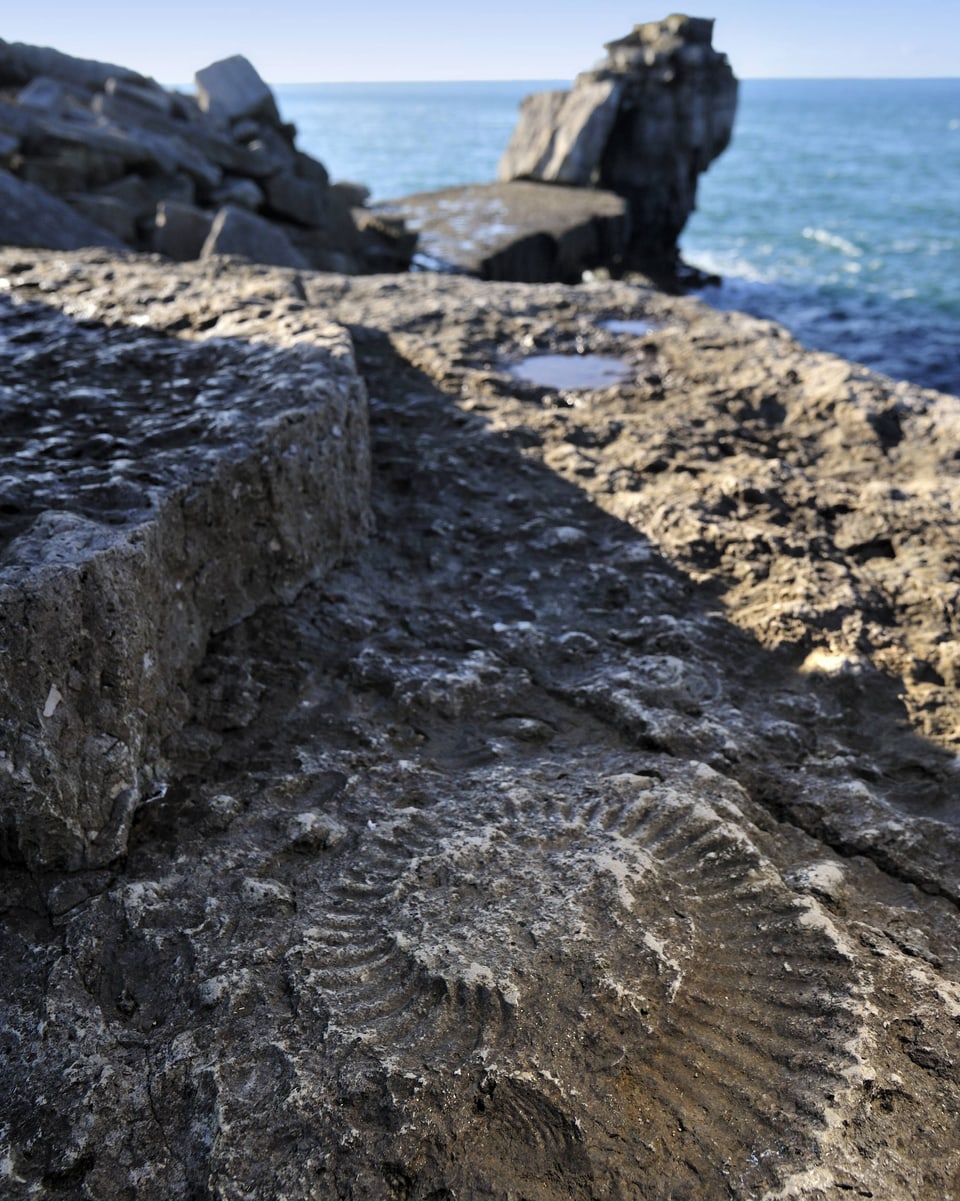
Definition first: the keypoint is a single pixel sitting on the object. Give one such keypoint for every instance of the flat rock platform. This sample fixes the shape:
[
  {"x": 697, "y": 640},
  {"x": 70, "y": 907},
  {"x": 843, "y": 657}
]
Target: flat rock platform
[{"x": 589, "y": 831}]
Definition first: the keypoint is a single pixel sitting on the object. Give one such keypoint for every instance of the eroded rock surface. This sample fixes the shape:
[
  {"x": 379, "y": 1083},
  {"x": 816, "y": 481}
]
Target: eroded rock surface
[
  {"x": 545, "y": 850},
  {"x": 155, "y": 489},
  {"x": 645, "y": 124}
]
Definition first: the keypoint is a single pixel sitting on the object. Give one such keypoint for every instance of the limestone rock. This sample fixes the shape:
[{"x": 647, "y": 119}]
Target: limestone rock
[
  {"x": 232, "y": 89},
  {"x": 19, "y": 63},
  {"x": 105, "y": 137},
  {"x": 237, "y": 474},
  {"x": 108, "y": 212},
  {"x": 236, "y": 231},
  {"x": 589, "y": 835},
  {"x": 517, "y": 231},
  {"x": 180, "y": 230},
  {"x": 29, "y": 216},
  {"x": 644, "y": 124}
]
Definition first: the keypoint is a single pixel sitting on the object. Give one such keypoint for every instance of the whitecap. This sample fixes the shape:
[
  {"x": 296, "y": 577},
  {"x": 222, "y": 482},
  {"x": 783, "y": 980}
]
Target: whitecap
[{"x": 834, "y": 241}]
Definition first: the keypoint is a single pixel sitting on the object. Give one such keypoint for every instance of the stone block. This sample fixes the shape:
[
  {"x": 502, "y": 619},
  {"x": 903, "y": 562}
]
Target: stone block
[
  {"x": 180, "y": 230},
  {"x": 231, "y": 88},
  {"x": 143, "y": 195},
  {"x": 109, "y": 213},
  {"x": 244, "y": 193},
  {"x": 149, "y": 95},
  {"x": 251, "y": 495},
  {"x": 309, "y": 168},
  {"x": 296, "y": 199},
  {"x": 238, "y": 232},
  {"x": 44, "y": 94},
  {"x": 30, "y": 216}
]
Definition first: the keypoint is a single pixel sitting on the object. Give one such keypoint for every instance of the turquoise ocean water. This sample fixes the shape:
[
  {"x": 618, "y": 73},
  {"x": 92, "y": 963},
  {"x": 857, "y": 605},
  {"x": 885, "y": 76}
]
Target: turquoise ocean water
[{"x": 836, "y": 210}]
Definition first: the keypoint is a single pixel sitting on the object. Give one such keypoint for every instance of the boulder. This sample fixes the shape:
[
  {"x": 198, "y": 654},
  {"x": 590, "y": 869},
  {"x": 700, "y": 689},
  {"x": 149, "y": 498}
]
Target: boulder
[
  {"x": 242, "y": 192},
  {"x": 19, "y": 63},
  {"x": 108, "y": 212},
  {"x": 116, "y": 144},
  {"x": 231, "y": 89},
  {"x": 296, "y": 199},
  {"x": 644, "y": 124},
  {"x": 180, "y": 230},
  {"x": 235, "y": 231},
  {"x": 29, "y": 216},
  {"x": 518, "y": 231},
  {"x": 561, "y": 138}
]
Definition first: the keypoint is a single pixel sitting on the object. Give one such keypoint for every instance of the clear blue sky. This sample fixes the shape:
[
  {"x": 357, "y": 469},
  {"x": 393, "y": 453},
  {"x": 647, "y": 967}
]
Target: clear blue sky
[{"x": 316, "y": 40}]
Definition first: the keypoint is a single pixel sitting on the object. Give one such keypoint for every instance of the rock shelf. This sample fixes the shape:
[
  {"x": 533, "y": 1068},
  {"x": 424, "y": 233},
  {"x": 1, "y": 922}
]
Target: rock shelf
[
  {"x": 591, "y": 833},
  {"x": 155, "y": 490}
]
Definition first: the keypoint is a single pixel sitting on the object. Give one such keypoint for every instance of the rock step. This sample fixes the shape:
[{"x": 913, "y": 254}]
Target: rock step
[{"x": 161, "y": 490}]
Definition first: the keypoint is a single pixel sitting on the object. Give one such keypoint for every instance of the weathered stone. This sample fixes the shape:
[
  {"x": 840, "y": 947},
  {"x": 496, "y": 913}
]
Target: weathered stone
[
  {"x": 30, "y": 216},
  {"x": 354, "y": 195},
  {"x": 503, "y": 863},
  {"x": 386, "y": 243},
  {"x": 143, "y": 195},
  {"x": 209, "y": 143},
  {"x": 70, "y": 139},
  {"x": 148, "y": 95},
  {"x": 576, "y": 135},
  {"x": 19, "y": 63},
  {"x": 44, "y": 94},
  {"x": 109, "y": 212},
  {"x": 644, "y": 124},
  {"x": 300, "y": 200},
  {"x": 238, "y": 232},
  {"x": 242, "y": 192},
  {"x": 231, "y": 89},
  {"x": 273, "y": 152},
  {"x": 255, "y": 486},
  {"x": 307, "y": 167},
  {"x": 517, "y": 231},
  {"x": 180, "y": 230}
]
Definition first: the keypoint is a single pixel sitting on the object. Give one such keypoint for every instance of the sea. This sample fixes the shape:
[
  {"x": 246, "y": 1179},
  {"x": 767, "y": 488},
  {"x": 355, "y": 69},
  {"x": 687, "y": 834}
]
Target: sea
[{"x": 835, "y": 211}]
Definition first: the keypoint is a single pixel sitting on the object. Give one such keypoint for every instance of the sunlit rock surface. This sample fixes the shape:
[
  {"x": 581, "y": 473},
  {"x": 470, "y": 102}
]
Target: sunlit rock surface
[{"x": 590, "y": 834}]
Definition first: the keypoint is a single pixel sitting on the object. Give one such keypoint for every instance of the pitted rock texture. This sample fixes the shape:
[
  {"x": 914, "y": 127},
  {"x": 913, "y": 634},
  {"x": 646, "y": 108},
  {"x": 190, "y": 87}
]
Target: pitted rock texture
[
  {"x": 489, "y": 866},
  {"x": 155, "y": 489}
]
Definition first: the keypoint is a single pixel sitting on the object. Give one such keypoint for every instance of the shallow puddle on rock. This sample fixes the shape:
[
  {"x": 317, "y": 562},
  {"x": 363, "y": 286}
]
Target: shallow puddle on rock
[
  {"x": 571, "y": 370},
  {"x": 629, "y": 326}
]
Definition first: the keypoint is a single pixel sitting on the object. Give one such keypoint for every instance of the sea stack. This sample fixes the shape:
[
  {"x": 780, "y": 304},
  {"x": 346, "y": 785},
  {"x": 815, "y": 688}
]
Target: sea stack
[{"x": 644, "y": 123}]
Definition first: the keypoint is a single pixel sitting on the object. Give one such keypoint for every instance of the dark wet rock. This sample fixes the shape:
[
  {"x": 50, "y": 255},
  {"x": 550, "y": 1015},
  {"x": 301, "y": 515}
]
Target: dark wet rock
[
  {"x": 645, "y": 124},
  {"x": 516, "y": 231}
]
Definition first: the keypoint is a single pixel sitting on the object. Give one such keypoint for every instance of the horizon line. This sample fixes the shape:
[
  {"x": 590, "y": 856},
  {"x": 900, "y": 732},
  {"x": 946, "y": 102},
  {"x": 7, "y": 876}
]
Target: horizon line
[{"x": 287, "y": 83}]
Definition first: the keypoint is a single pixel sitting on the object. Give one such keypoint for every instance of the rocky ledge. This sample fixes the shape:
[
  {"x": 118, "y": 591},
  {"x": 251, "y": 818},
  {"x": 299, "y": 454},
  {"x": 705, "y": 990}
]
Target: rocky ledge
[{"x": 590, "y": 834}]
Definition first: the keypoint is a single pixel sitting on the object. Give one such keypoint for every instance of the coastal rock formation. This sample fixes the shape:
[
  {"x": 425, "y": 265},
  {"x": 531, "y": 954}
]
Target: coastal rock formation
[
  {"x": 158, "y": 492},
  {"x": 645, "y": 124},
  {"x": 122, "y": 153},
  {"x": 590, "y": 834},
  {"x": 515, "y": 231}
]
